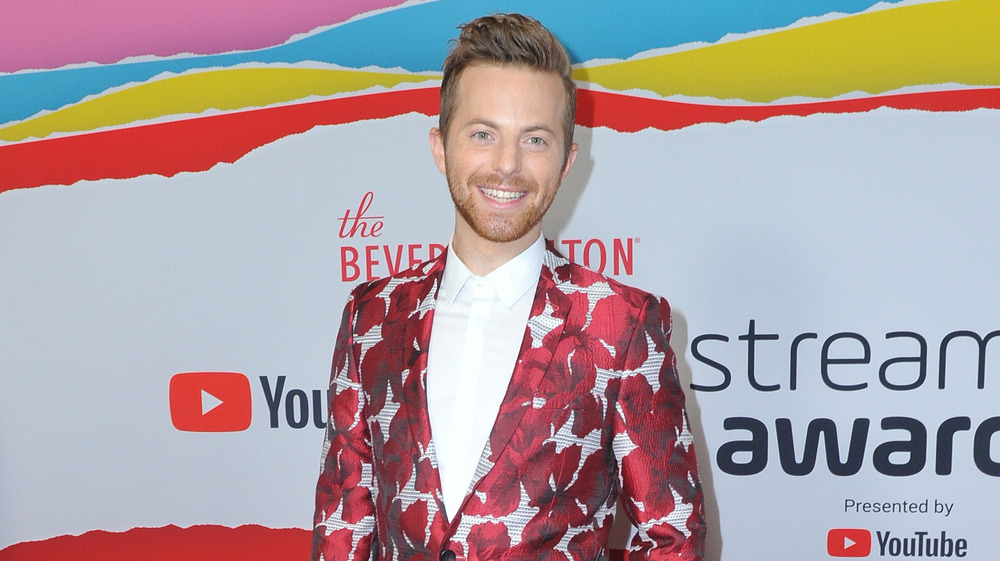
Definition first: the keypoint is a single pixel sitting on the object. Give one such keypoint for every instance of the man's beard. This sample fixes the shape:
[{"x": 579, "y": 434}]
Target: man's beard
[{"x": 495, "y": 226}]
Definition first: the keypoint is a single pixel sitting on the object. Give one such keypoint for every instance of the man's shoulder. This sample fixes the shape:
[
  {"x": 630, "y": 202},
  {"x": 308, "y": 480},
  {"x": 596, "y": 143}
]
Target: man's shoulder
[
  {"x": 570, "y": 276},
  {"x": 424, "y": 273}
]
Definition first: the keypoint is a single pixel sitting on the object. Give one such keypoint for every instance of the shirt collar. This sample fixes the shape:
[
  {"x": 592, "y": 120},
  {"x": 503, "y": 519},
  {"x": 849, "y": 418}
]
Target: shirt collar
[{"x": 509, "y": 281}]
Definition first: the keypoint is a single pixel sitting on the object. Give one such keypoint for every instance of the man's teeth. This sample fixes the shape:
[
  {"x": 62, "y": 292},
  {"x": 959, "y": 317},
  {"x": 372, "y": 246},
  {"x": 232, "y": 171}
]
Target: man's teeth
[{"x": 501, "y": 195}]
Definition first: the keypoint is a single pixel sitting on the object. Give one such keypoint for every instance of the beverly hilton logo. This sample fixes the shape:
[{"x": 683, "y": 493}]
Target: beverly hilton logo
[{"x": 363, "y": 258}]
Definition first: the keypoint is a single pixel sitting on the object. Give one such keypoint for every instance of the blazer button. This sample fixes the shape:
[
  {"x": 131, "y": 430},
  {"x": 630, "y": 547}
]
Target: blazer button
[{"x": 447, "y": 555}]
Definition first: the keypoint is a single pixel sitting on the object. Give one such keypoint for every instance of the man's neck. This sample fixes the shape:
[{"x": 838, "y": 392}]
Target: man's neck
[{"x": 483, "y": 256}]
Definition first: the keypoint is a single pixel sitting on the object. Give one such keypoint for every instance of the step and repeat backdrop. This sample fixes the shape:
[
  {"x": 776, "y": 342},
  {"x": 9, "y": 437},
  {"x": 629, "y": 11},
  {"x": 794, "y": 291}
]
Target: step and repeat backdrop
[{"x": 187, "y": 195}]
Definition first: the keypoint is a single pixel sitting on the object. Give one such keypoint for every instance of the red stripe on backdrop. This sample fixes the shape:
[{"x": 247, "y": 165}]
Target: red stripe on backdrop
[
  {"x": 189, "y": 145},
  {"x": 198, "y": 144},
  {"x": 170, "y": 543},
  {"x": 630, "y": 114}
]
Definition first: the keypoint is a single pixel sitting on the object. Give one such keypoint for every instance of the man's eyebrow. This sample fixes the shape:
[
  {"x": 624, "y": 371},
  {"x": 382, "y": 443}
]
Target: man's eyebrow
[
  {"x": 540, "y": 127},
  {"x": 482, "y": 122},
  {"x": 530, "y": 128}
]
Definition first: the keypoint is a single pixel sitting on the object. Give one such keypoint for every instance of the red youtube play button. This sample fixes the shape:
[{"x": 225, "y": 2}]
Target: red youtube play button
[
  {"x": 849, "y": 542},
  {"x": 210, "y": 401}
]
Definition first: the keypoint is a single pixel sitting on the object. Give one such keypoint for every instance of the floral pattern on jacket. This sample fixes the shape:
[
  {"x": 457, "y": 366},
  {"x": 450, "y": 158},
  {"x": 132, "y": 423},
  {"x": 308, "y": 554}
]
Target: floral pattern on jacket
[{"x": 594, "y": 411}]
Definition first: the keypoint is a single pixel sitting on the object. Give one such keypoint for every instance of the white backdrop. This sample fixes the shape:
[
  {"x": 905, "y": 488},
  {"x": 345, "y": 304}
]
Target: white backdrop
[{"x": 857, "y": 223}]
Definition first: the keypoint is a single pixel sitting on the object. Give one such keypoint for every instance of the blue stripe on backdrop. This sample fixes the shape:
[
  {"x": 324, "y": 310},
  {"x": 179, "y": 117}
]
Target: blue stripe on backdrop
[{"x": 414, "y": 38}]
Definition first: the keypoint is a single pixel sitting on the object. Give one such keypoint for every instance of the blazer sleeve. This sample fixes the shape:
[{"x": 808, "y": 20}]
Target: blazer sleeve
[
  {"x": 344, "y": 521},
  {"x": 658, "y": 473}
]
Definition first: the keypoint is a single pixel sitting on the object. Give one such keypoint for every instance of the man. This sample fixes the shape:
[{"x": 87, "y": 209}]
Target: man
[{"x": 494, "y": 403}]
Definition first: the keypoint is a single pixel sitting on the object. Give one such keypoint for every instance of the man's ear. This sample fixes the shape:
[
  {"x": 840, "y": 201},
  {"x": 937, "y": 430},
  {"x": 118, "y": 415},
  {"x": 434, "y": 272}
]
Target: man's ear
[
  {"x": 437, "y": 149},
  {"x": 570, "y": 158}
]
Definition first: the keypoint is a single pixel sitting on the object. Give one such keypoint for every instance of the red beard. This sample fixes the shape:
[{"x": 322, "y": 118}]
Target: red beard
[{"x": 496, "y": 226}]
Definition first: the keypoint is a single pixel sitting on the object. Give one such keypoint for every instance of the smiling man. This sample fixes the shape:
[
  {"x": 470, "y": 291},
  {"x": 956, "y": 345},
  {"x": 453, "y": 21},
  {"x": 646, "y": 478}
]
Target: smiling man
[
  {"x": 505, "y": 153},
  {"x": 497, "y": 402}
]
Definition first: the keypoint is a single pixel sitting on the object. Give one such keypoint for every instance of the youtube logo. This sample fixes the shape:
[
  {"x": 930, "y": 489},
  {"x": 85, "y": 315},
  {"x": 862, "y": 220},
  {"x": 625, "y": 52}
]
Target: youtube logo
[
  {"x": 210, "y": 402},
  {"x": 849, "y": 542}
]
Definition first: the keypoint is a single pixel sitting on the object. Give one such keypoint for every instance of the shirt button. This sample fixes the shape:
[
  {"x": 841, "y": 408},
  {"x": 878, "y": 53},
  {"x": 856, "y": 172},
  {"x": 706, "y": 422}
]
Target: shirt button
[{"x": 447, "y": 555}]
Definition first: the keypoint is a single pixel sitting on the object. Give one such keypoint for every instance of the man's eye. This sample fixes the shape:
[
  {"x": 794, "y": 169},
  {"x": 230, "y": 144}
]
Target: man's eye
[
  {"x": 536, "y": 141},
  {"x": 481, "y": 135}
]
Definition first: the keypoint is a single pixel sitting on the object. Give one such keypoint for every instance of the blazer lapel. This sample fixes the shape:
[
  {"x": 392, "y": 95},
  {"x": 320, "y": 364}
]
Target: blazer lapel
[
  {"x": 541, "y": 335},
  {"x": 549, "y": 311},
  {"x": 418, "y": 317}
]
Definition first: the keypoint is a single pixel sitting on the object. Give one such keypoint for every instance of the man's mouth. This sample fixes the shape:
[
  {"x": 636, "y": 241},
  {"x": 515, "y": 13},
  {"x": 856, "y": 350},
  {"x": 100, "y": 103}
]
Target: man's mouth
[{"x": 502, "y": 196}]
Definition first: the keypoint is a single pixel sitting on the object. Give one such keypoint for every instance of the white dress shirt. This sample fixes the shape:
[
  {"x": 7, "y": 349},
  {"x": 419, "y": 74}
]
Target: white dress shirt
[{"x": 476, "y": 335}]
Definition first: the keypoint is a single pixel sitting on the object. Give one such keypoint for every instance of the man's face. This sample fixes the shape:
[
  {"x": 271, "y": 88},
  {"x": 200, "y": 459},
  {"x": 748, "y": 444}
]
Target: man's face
[{"x": 504, "y": 156}]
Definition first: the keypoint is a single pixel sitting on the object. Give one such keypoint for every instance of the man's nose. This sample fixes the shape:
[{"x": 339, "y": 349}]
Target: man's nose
[{"x": 507, "y": 158}]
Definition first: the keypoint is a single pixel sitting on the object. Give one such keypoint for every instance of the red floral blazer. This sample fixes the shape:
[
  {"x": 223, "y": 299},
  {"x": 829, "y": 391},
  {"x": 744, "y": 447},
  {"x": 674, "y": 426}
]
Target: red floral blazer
[{"x": 594, "y": 412}]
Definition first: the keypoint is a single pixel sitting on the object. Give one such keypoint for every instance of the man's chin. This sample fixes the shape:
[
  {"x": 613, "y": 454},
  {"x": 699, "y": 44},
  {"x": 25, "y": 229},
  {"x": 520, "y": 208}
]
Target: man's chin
[
  {"x": 502, "y": 233},
  {"x": 496, "y": 228}
]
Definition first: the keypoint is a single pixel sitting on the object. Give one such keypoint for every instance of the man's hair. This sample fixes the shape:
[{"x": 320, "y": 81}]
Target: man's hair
[{"x": 507, "y": 39}]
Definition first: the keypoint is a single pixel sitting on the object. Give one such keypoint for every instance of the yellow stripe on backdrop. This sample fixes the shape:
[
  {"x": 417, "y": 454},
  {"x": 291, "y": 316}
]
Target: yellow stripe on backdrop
[
  {"x": 193, "y": 93},
  {"x": 937, "y": 43}
]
